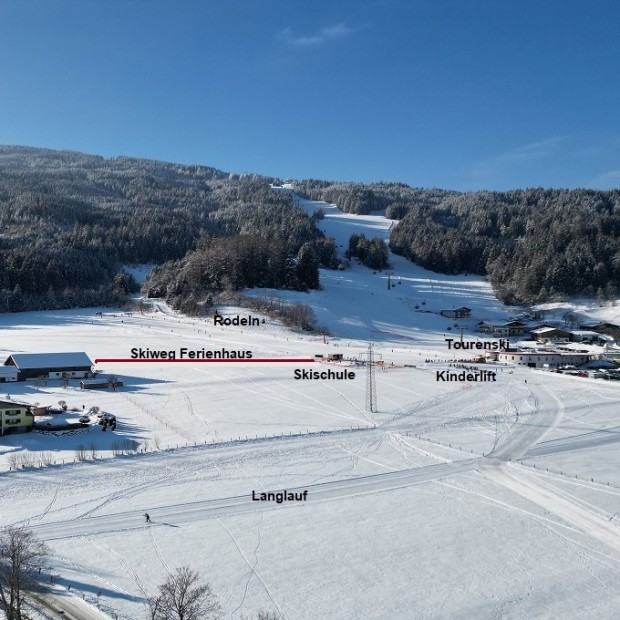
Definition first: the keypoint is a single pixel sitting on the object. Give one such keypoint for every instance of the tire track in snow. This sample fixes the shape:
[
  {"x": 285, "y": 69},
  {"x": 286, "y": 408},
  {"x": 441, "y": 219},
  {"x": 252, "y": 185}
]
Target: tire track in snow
[
  {"x": 295, "y": 404},
  {"x": 123, "y": 563},
  {"x": 158, "y": 551},
  {"x": 260, "y": 579},
  {"x": 305, "y": 397},
  {"x": 507, "y": 475},
  {"x": 123, "y": 494},
  {"x": 256, "y": 560}
]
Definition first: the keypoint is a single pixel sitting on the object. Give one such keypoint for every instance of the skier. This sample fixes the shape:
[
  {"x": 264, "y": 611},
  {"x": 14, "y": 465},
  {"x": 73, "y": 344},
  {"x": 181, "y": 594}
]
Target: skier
[{"x": 148, "y": 517}]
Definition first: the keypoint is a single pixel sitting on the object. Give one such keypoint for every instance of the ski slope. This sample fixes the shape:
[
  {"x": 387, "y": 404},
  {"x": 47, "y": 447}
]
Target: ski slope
[{"x": 452, "y": 500}]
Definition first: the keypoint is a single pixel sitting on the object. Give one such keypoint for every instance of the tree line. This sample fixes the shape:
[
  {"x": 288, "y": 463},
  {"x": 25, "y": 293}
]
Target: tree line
[
  {"x": 534, "y": 244},
  {"x": 231, "y": 264},
  {"x": 69, "y": 222},
  {"x": 361, "y": 199}
]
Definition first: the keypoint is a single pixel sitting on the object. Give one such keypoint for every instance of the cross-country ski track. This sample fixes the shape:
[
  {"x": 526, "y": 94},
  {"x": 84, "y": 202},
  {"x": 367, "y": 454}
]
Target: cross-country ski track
[{"x": 494, "y": 466}]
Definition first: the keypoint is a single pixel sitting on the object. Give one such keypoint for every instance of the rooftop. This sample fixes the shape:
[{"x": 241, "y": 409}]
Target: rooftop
[{"x": 49, "y": 360}]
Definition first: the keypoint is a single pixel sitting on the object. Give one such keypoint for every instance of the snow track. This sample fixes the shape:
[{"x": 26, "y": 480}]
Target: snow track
[
  {"x": 206, "y": 509},
  {"x": 511, "y": 477},
  {"x": 531, "y": 428}
]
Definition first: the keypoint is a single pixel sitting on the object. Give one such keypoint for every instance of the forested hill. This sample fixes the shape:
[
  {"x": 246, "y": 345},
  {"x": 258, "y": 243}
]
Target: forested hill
[
  {"x": 534, "y": 244},
  {"x": 69, "y": 221}
]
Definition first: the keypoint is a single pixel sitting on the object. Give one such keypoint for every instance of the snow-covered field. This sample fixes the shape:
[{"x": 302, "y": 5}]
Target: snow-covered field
[{"x": 452, "y": 500}]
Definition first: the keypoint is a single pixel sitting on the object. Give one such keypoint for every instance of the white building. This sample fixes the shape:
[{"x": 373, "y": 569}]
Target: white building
[
  {"x": 8, "y": 373},
  {"x": 539, "y": 359}
]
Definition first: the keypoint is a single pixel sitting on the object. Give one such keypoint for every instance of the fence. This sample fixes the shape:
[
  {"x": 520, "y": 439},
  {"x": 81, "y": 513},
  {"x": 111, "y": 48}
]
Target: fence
[{"x": 37, "y": 460}]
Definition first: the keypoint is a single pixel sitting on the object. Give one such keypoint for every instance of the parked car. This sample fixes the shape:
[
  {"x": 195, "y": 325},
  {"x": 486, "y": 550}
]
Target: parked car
[{"x": 84, "y": 419}]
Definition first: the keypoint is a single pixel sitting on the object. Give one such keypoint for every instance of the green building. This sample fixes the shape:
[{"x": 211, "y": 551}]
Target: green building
[{"x": 14, "y": 418}]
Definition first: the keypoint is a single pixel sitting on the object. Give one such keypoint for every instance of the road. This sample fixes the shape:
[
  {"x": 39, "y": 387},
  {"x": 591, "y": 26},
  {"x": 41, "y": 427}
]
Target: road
[{"x": 66, "y": 606}]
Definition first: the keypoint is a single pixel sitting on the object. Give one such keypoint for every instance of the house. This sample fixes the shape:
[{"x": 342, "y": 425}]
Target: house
[
  {"x": 15, "y": 418},
  {"x": 541, "y": 315},
  {"x": 584, "y": 335},
  {"x": 605, "y": 328},
  {"x": 457, "y": 313},
  {"x": 50, "y": 365},
  {"x": 505, "y": 330},
  {"x": 551, "y": 334}
]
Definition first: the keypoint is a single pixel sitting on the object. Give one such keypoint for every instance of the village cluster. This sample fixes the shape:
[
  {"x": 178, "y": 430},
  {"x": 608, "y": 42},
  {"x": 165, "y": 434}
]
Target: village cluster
[
  {"x": 548, "y": 345},
  {"x": 19, "y": 417}
]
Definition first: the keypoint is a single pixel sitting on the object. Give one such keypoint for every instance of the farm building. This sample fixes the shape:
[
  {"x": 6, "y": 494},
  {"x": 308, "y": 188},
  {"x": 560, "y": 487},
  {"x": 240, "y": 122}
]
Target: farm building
[
  {"x": 8, "y": 373},
  {"x": 457, "y": 313},
  {"x": 50, "y": 365},
  {"x": 503, "y": 330},
  {"x": 542, "y": 334},
  {"x": 15, "y": 418},
  {"x": 99, "y": 383}
]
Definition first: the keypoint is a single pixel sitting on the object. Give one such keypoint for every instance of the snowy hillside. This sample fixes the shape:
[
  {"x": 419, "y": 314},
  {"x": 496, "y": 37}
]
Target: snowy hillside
[{"x": 449, "y": 500}]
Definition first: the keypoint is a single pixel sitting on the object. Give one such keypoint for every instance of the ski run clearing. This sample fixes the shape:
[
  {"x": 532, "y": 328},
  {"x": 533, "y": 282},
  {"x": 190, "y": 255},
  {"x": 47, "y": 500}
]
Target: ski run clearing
[{"x": 465, "y": 500}]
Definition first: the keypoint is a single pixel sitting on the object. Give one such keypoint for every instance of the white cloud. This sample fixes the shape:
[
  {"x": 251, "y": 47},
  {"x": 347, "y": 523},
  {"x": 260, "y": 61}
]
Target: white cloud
[{"x": 322, "y": 36}]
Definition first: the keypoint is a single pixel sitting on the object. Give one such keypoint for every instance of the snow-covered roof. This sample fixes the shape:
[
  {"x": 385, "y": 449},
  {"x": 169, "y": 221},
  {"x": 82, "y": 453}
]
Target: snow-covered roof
[
  {"x": 8, "y": 370},
  {"x": 584, "y": 332},
  {"x": 545, "y": 330},
  {"x": 601, "y": 363},
  {"x": 7, "y": 404},
  {"x": 543, "y": 353},
  {"x": 49, "y": 360}
]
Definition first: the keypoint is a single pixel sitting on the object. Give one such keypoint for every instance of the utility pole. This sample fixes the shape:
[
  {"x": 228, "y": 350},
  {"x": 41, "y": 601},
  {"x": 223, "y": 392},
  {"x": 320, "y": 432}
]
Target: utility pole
[{"x": 371, "y": 387}]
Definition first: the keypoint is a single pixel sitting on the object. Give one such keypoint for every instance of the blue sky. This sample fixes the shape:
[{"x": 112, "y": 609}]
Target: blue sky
[{"x": 461, "y": 94}]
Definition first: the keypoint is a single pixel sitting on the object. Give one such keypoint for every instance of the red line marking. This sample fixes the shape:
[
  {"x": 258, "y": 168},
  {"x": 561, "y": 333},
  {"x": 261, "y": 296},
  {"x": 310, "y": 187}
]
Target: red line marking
[{"x": 126, "y": 360}]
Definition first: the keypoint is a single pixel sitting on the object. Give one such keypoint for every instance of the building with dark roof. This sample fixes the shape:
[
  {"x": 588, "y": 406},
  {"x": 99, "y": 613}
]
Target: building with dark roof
[
  {"x": 457, "y": 313},
  {"x": 75, "y": 365}
]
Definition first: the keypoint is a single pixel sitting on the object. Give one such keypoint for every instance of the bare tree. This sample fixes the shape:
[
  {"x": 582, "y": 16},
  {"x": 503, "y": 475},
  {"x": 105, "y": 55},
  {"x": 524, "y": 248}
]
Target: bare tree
[
  {"x": 184, "y": 597},
  {"x": 114, "y": 382},
  {"x": 21, "y": 558}
]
